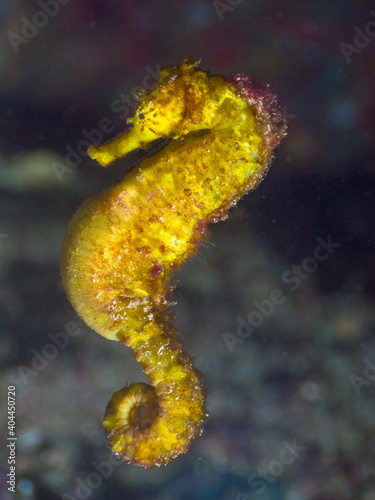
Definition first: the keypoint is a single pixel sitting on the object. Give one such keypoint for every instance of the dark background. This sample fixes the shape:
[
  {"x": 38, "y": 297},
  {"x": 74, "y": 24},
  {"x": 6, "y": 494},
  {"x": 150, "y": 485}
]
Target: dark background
[{"x": 293, "y": 379}]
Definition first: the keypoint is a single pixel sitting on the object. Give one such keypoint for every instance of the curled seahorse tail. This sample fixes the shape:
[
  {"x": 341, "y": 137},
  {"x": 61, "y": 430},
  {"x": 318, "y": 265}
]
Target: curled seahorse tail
[{"x": 150, "y": 425}]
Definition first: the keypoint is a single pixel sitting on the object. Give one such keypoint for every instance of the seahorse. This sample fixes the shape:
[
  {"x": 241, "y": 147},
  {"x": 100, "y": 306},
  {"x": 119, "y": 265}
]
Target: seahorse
[{"x": 122, "y": 246}]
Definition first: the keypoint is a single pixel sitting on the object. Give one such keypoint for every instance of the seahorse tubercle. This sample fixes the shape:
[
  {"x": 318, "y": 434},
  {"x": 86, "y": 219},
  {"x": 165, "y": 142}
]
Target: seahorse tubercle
[{"x": 122, "y": 245}]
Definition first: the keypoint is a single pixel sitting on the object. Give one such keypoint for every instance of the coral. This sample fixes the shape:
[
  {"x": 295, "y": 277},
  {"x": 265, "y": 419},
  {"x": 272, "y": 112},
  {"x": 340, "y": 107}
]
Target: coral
[{"x": 122, "y": 246}]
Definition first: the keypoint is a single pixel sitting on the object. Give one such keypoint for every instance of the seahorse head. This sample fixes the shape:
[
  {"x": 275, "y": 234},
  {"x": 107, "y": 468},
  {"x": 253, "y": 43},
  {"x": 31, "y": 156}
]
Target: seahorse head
[{"x": 194, "y": 102}]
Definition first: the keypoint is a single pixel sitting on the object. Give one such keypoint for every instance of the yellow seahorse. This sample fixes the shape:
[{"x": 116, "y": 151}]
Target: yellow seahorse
[{"x": 122, "y": 245}]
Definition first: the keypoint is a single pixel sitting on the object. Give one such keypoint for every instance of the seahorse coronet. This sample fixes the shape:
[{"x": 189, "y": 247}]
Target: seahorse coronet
[{"x": 122, "y": 246}]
